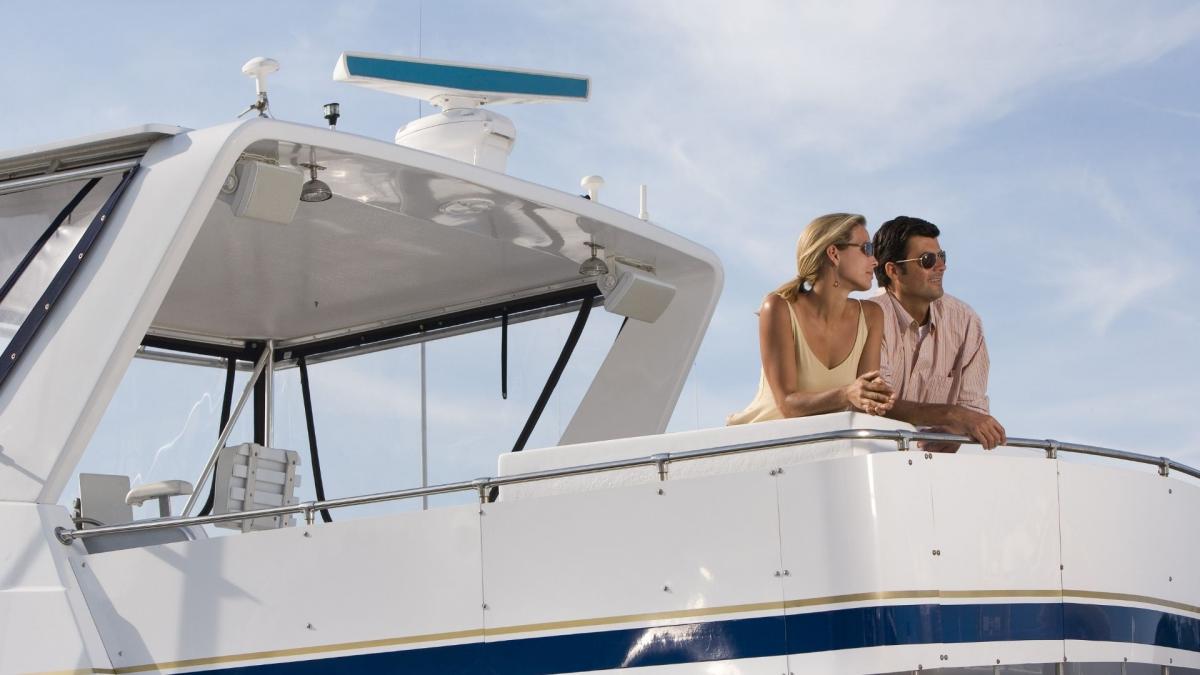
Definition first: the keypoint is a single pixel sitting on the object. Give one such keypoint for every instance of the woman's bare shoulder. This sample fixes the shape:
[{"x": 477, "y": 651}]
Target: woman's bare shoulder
[
  {"x": 774, "y": 303},
  {"x": 774, "y": 312}
]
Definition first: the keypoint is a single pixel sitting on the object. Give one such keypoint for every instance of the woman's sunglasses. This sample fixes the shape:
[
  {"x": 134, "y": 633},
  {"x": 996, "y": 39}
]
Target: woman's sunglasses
[
  {"x": 926, "y": 260},
  {"x": 866, "y": 247}
]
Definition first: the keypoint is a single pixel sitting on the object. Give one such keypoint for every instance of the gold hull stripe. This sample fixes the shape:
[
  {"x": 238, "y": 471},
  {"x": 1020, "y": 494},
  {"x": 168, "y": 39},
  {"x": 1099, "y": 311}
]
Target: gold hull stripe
[
  {"x": 638, "y": 618},
  {"x": 1127, "y": 597}
]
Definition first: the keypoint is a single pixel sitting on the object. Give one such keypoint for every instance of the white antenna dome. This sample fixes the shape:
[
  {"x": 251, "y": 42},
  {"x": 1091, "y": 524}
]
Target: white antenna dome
[{"x": 258, "y": 68}]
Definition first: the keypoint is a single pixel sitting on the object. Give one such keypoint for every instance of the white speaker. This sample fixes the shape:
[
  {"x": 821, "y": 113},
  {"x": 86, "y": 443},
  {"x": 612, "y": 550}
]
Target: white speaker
[
  {"x": 638, "y": 296},
  {"x": 267, "y": 192}
]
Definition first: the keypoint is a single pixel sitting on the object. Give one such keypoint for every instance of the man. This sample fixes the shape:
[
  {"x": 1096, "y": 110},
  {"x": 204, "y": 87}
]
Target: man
[{"x": 933, "y": 353}]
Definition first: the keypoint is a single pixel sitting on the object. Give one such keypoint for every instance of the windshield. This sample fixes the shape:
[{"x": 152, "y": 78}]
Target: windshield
[
  {"x": 39, "y": 228},
  {"x": 379, "y": 424}
]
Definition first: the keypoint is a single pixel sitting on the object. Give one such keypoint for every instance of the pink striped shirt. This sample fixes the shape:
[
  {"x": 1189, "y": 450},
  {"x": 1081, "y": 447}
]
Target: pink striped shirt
[{"x": 948, "y": 365}]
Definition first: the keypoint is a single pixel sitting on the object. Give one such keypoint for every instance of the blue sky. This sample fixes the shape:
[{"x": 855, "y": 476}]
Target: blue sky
[{"x": 1054, "y": 143}]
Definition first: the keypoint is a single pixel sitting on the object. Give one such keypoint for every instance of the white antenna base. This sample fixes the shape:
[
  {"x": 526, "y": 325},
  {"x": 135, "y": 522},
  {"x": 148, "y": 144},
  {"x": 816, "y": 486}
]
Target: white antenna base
[
  {"x": 472, "y": 135},
  {"x": 258, "y": 68}
]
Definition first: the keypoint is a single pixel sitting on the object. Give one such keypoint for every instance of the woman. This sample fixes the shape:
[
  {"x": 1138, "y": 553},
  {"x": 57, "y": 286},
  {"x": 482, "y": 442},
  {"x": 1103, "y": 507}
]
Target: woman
[{"x": 820, "y": 349}]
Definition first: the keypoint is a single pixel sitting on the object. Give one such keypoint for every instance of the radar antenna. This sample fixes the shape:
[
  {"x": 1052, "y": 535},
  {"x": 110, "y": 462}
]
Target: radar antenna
[
  {"x": 462, "y": 129},
  {"x": 258, "y": 68}
]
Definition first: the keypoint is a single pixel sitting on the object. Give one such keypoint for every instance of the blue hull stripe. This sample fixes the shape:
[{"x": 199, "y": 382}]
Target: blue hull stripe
[
  {"x": 770, "y": 636},
  {"x": 468, "y": 78}
]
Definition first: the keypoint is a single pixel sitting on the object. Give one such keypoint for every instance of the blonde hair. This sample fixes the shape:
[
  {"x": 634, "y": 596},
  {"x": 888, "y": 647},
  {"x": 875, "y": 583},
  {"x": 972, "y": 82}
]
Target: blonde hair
[{"x": 823, "y": 231}]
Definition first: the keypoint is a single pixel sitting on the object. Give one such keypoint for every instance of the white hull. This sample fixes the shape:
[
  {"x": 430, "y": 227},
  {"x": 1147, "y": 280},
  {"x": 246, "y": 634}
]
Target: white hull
[{"x": 889, "y": 561}]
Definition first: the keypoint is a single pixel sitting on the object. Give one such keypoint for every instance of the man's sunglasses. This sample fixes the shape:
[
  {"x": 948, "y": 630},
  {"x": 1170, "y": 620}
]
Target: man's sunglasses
[
  {"x": 866, "y": 247},
  {"x": 926, "y": 260}
]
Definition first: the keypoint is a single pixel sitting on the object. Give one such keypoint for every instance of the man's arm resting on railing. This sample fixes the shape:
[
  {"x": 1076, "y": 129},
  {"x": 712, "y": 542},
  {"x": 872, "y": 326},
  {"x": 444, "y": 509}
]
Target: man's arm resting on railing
[{"x": 954, "y": 419}]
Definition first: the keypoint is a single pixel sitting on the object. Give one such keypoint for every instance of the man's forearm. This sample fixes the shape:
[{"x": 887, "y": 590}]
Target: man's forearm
[
  {"x": 925, "y": 414},
  {"x": 955, "y": 419}
]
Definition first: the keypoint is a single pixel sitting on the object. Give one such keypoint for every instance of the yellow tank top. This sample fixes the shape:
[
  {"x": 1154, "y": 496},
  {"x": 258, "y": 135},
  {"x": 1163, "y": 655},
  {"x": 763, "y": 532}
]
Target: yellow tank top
[{"x": 811, "y": 374}]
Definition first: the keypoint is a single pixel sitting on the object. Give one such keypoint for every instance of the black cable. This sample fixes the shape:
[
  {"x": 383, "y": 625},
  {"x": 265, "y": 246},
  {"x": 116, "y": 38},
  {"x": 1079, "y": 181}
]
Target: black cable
[
  {"x": 576, "y": 330},
  {"x": 551, "y": 382},
  {"x": 260, "y": 408},
  {"x": 227, "y": 401},
  {"x": 504, "y": 354},
  {"x": 226, "y": 405},
  {"x": 318, "y": 483}
]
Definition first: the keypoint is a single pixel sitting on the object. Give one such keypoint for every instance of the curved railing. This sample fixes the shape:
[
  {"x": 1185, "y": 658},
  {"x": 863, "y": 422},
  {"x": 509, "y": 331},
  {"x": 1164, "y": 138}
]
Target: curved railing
[{"x": 904, "y": 441}]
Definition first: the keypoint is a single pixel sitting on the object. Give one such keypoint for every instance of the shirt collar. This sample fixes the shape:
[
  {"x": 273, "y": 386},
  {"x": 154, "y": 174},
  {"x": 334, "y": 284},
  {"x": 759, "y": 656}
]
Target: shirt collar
[{"x": 906, "y": 322}]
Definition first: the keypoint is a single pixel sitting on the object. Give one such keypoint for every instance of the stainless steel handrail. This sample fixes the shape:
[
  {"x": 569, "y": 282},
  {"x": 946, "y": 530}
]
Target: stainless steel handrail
[
  {"x": 22, "y": 184},
  {"x": 660, "y": 461}
]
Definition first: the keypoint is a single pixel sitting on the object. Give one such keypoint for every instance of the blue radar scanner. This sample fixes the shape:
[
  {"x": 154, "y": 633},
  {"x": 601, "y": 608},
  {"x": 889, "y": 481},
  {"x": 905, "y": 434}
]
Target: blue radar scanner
[{"x": 433, "y": 80}]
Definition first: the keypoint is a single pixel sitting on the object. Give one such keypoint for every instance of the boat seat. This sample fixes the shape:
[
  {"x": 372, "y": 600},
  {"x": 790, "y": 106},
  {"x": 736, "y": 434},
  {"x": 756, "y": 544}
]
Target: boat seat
[
  {"x": 163, "y": 490},
  {"x": 105, "y": 499},
  {"x": 102, "y": 500}
]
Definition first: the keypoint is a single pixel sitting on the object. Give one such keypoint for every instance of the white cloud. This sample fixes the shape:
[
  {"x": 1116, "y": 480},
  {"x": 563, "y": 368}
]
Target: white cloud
[
  {"x": 1104, "y": 290},
  {"x": 1125, "y": 261},
  {"x": 1143, "y": 419},
  {"x": 872, "y": 82},
  {"x": 742, "y": 112}
]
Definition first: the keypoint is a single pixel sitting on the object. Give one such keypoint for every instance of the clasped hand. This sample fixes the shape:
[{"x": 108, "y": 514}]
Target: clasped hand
[{"x": 871, "y": 394}]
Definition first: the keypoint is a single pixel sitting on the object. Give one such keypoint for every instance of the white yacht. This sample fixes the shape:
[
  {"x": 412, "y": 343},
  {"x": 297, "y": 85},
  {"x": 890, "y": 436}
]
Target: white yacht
[{"x": 254, "y": 250}]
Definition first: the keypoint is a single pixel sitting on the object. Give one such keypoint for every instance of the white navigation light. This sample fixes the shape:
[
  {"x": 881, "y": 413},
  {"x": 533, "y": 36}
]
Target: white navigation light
[
  {"x": 462, "y": 130},
  {"x": 258, "y": 68}
]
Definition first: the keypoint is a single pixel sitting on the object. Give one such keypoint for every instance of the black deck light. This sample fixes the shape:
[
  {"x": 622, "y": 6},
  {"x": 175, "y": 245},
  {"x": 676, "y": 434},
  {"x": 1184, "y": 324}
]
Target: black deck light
[{"x": 332, "y": 112}]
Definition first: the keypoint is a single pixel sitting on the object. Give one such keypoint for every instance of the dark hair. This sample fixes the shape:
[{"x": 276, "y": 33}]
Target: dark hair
[{"x": 891, "y": 242}]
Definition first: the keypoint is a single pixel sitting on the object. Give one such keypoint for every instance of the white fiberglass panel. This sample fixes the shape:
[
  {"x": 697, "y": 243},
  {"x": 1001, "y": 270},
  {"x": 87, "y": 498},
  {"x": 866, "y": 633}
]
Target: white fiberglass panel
[
  {"x": 396, "y": 582},
  {"x": 857, "y": 539},
  {"x": 691, "y": 561},
  {"x": 340, "y": 264},
  {"x": 1123, "y": 532},
  {"x": 858, "y": 525},
  {"x": 893, "y": 658},
  {"x": 767, "y": 665},
  {"x": 541, "y": 459},
  {"x": 996, "y": 537},
  {"x": 1129, "y": 552},
  {"x": 995, "y": 524},
  {"x": 44, "y": 623},
  {"x": 1089, "y": 654}
]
